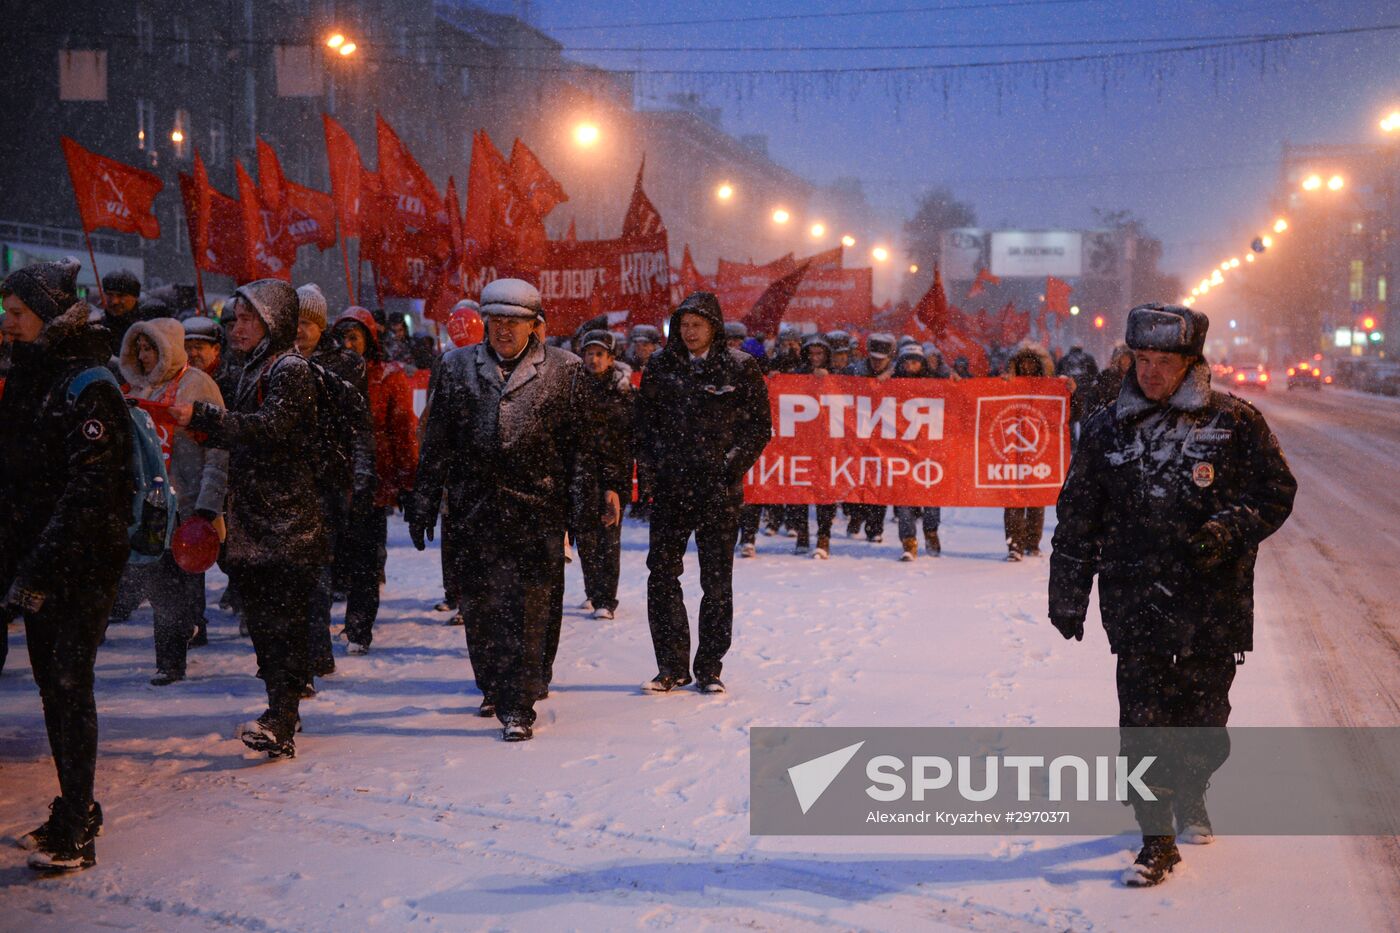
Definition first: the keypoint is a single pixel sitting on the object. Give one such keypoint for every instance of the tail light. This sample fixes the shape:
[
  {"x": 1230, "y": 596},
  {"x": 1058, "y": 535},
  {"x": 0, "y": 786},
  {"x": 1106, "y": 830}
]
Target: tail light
[
  {"x": 1292, "y": 371},
  {"x": 1263, "y": 377},
  {"x": 1239, "y": 377},
  {"x": 1316, "y": 371}
]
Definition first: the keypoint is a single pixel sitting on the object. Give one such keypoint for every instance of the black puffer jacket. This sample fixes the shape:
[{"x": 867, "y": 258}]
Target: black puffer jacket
[
  {"x": 65, "y": 466},
  {"x": 274, "y": 504},
  {"x": 347, "y": 364},
  {"x": 508, "y": 454},
  {"x": 700, "y": 428},
  {"x": 1145, "y": 479}
]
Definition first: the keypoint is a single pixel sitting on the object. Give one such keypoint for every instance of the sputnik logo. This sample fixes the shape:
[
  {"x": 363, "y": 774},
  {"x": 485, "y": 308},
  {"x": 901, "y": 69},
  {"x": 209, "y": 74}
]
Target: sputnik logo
[{"x": 811, "y": 778}]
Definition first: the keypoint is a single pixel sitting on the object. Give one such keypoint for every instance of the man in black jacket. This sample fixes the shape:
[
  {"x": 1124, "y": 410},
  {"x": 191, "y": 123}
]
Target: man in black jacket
[
  {"x": 502, "y": 438},
  {"x": 702, "y": 421},
  {"x": 1168, "y": 496},
  {"x": 65, "y": 507},
  {"x": 277, "y": 535},
  {"x": 608, "y": 437},
  {"x": 121, "y": 292}
]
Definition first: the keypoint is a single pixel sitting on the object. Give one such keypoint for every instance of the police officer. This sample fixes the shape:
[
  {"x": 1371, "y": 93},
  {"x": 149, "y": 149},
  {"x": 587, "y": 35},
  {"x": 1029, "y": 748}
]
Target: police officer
[{"x": 1168, "y": 496}]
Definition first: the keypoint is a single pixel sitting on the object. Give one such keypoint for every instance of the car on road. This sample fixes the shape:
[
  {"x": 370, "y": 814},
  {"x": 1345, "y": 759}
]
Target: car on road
[
  {"x": 1251, "y": 377},
  {"x": 1306, "y": 375}
]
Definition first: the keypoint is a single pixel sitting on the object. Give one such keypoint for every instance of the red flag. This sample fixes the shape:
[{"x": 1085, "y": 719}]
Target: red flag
[
  {"x": 307, "y": 215},
  {"x": 501, "y": 226},
  {"x": 958, "y": 342},
  {"x": 1057, "y": 296},
  {"x": 215, "y": 224},
  {"x": 111, "y": 194},
  {"x": 353, "y": 189},
  {"x": 691, "y": 279},
  {"x": 265, "y": 249},
  {"x": 413, "y": 239},
  {"x": 767, "y": 313},
  {"x": 932, "y": 309},
  {"x": 642, "y": 217},
  {"x": 979, "y": 285},
  {"x": 449, "y": 286},
  {"x": 831, "y": 259},
  {"x": 542, "y": 192}
]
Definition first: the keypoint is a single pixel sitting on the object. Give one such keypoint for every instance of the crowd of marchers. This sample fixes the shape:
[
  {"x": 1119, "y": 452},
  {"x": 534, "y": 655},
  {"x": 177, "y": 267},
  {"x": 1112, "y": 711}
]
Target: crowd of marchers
[{"x": 284, "y": 439}]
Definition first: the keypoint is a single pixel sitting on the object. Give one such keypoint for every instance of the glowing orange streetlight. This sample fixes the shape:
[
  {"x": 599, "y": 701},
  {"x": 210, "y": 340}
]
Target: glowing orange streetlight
[
  {"x": 1336, "y": 183},
  {"x": 818, "y": 231},
  {"x": 725, "y": 191},
  {"x": 848, "y": 241},
  {"x": 781, "y": 216},
  {"x": 880, "y": 254},
  {"x": 1312, "y": 182},
  {"x": 586, "y": 135}
]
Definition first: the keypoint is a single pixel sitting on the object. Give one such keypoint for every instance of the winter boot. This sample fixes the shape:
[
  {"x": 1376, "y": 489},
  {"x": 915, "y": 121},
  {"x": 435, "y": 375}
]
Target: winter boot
[
  {"x": 200, "y": 638},
  {"x": 747, "y": 550},
  {"x": 823, "y": 550},
  {"x": 586, "y": 605},
  {"x": 931, "y": 544},
  {"x": 1156, "y": 860},
  {"x": 665, "y": 683},
  {"x": 38, "y": 837},
  {"x": 355, "y": 647},
  {"x": 911, "y": 549},
  {"x": 710, "y": 685},
  {"x": 1013, "y": 555},
  {"x": 1192, "y": 820},
  {"x": 457, "y": 619},
  {"x": 853, "y": 527},
  {"x": 800, "y": 547},
  {"x": 68, "y": 844},
  {"x": 444, "y": 605},
  {"x": 166, "y": 678},
  {"x": 516, "y": 730},
  {"x": 604, "y": 613},
  {"x": 487, "y": 709}
]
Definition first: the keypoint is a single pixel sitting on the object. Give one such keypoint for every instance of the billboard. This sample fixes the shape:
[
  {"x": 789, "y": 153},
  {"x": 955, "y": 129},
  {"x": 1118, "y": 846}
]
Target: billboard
[{"x": 1036, "y": 254}]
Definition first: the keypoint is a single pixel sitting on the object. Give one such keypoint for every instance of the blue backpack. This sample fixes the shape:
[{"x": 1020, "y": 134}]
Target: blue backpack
[{"x": 153, "y": 502}]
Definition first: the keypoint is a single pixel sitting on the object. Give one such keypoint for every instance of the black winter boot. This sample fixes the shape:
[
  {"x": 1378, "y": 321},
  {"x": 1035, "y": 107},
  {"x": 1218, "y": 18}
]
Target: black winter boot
[{"x": 1156, "y": 860}]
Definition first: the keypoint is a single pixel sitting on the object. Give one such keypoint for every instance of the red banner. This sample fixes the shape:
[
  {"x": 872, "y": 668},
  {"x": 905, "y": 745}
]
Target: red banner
[
  {"x": 919, "y": 442},
  {"x": 590, "y": 277},
  {"x": 830, "y": 298}
]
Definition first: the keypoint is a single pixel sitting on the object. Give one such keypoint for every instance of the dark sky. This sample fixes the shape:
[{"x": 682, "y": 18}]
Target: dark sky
[{"x": 1189, "y": 144}]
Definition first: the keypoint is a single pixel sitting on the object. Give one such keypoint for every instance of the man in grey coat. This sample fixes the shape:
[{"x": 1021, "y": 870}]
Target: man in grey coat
[{"x": 502, "y": 438}]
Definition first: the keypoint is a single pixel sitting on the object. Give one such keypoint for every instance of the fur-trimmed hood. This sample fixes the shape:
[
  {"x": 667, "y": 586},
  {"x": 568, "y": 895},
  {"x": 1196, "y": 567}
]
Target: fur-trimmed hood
[
  {"x": 168, "y": 336},
  {"x": 1032, "y": 351}
]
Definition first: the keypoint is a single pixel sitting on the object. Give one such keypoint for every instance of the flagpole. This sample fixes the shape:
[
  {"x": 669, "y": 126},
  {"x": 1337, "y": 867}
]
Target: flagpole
[
  {"x": 102, "y": 296},
  {"x": 345, "y": 256}
]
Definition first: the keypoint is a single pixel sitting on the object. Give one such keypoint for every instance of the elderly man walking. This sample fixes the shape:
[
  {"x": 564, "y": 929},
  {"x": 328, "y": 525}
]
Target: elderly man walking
[{"x": 502, "y": 438}]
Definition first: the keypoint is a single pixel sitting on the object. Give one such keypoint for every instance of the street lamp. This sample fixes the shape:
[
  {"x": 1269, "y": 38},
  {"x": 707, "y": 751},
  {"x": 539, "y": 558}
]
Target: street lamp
[
  {"x": 1280, "y": 225},
  {"x": 348, "y": 49},
  {"x": 335, "y": 40},
  {"x": 1312, "y": 182},
  {"x": 880, "y": 254},
  {"x": 725, "y": 191},
  {"x": 818, "y": 231},
  {"x": 848, "y": 241},
  {"x": 1391, "y": 122},
  {"x": 1335, "y": 183},
  {"x": 586, "y": 135},
  {"x": 781, "y": 216},
  {"x": 1074, "y": 310},
  {"x": 913, "y": 268}
]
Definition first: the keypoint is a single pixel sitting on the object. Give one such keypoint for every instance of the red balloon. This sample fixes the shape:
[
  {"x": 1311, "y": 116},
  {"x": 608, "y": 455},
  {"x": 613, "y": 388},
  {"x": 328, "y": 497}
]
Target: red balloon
[
  {"x": 195, "y": 545},
  {"x": 465, "y": 327}
]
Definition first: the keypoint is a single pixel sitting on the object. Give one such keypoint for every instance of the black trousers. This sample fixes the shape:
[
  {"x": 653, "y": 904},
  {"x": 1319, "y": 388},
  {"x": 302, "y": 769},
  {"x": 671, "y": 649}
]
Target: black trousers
[
  {"x": 715, "y": 525},
  {"x": 63, "y": 637},
  {"x": 1183, "y": 692},
  {"x": 600, "y": 552},
  {"x": 275, "y": 597},
  {"x": 555, "y": 626},
  {"x": 750, "y": 517},
  {"x": 508, "y": 602},
  {"x": 870, "y": 518},
  {"x": 321, "y": 598},
  {"x": 451, "y": 564},
  {"x": 797, "y": 519},
  {"x": 364, "y": 562},
  {"x": 177, "y": 602}
]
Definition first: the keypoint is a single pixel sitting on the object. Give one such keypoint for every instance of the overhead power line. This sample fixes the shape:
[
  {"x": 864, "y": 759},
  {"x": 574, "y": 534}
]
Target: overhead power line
[{"x": 842, "y": 14}]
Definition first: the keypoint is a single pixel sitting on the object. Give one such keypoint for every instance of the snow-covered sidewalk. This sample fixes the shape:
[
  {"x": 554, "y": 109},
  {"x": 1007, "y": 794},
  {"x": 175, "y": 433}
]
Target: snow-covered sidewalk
[{"x": 404, "y": 810}]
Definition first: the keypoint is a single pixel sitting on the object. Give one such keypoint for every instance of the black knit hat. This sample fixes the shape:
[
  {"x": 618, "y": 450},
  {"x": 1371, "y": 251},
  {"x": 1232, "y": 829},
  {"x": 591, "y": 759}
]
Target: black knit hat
[
  {"x": 121, "y": 282},
  {"x": 47, "y": 288}
]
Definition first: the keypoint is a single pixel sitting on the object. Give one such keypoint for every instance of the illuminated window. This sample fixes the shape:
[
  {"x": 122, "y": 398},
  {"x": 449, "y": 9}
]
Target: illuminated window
[
  {"x": 1380, "y": 288},
  {"x": 1358, "y": 279}
]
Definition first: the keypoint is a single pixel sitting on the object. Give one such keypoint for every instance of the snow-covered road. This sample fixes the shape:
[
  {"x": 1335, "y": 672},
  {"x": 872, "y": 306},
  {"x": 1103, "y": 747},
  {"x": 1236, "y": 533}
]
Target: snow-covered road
[{"x": 403, "y": 810}]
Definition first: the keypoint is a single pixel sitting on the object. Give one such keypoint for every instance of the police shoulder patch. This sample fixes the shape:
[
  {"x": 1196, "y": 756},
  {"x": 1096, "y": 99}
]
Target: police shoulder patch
[
  {"x": 1203, "y": 474},
  {"x": 93, "y": 429}
]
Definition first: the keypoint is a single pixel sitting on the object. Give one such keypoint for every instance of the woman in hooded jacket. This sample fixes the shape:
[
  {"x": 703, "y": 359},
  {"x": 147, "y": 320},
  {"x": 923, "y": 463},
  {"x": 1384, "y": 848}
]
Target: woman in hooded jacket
[
  {"x": 278, "y": 539},
  {"x": 157, "y": 372}
]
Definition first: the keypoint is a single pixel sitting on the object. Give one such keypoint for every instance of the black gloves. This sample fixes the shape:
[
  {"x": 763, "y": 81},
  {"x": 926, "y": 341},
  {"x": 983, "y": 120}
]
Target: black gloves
[
  {"x": 1208, "y": 547},
  {"x": 420, "y": 526},
  {"x": 1070, "y": 628}
]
